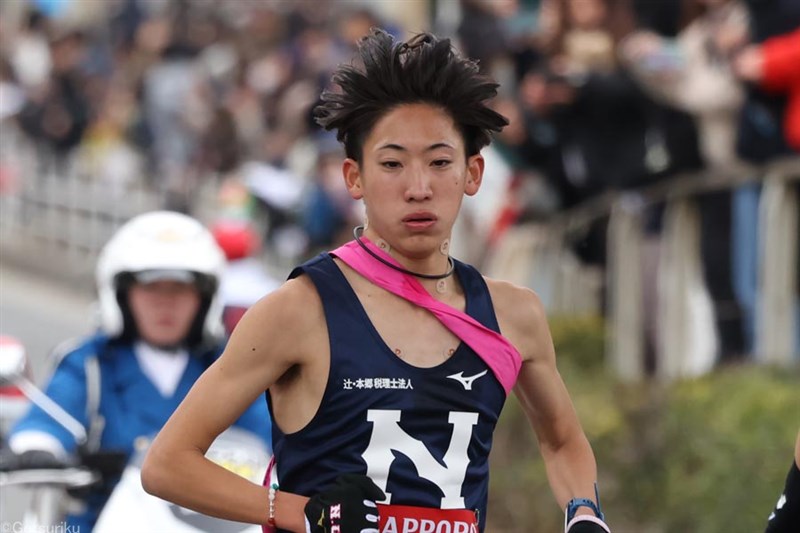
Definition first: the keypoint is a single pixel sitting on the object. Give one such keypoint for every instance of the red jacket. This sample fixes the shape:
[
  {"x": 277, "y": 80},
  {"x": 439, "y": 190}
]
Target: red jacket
[{"x": 782, "y": 74}]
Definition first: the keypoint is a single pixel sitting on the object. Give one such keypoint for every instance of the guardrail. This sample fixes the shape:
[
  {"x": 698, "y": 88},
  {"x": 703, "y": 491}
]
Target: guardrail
[
  {"x": 59, "y": 222},
  {"x": 57, "y": 217},
  {"x": 537, "y": 255}
]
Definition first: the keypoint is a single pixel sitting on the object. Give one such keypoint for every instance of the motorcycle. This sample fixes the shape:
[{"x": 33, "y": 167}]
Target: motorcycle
[
  {"x": 131, "y": 509},
  {"x": 13, "y": 402},
  {"x": 54, "y": 487}
]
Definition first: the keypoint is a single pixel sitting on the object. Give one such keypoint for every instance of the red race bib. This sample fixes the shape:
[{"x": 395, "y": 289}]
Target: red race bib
[{"x": 409, "y": 519}]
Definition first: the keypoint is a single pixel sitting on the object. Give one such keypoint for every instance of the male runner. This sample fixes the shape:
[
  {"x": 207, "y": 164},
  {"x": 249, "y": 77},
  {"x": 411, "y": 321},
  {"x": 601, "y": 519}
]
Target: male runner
[{"x": 384, "y": 363}]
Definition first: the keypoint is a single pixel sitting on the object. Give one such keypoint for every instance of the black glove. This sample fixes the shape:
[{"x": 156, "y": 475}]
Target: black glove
[
  {"x": 31, "y": 460},
  {"x": 349, "y": 504}
]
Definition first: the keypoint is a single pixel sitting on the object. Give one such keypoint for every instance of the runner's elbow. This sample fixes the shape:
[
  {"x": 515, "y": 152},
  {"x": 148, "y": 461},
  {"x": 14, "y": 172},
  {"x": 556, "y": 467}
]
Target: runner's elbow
[{"x": 156, "y": 475}]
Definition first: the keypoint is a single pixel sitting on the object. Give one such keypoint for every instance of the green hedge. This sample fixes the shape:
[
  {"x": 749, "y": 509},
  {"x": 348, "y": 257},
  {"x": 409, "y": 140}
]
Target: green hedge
[{"x": 705, "y": 455}]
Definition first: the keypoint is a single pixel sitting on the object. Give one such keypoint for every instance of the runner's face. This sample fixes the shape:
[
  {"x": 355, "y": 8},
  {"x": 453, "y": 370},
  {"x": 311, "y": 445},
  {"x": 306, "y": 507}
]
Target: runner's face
[
  {"x": 413, "y": 176},
  {"x": 164, "y": 310}
]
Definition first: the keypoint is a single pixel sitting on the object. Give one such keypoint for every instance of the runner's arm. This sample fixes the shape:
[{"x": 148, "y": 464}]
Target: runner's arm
[
  {"x": 267, "y": 342},
  {"x": 569, "y": 460}
]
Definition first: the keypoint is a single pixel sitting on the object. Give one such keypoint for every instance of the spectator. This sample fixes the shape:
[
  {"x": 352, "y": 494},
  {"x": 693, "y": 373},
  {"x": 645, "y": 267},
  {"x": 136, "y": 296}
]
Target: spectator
[
  {"x": 760, "y": 138},
  {"x": 29, "y": 52},
  {"x": 57, "y": 112},
  {"x": 693, "y": 72},
  {"x": 597, "y": 111},
  {"x": 774, "y": 65},
  {"x": 329, "y": 213},
  {"x": 760, "y": 135}
]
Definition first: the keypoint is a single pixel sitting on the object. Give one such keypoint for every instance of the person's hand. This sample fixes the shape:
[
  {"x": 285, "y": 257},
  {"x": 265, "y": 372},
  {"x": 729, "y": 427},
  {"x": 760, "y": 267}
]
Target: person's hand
[
  {"x": 731, "y": 36},
  {"x": 640, "y": 45},
  {"x": 749, "y": 64},
  {"x": 651, "y": 54},
  {"x": 349, "y": 504}
]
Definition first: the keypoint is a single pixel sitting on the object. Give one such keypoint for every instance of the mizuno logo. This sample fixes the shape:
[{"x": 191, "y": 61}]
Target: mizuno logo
[{"x": 467, "y": 381}]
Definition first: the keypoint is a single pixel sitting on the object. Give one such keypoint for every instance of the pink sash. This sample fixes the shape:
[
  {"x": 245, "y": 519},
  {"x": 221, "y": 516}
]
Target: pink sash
[{"x": 496, "y": 351}]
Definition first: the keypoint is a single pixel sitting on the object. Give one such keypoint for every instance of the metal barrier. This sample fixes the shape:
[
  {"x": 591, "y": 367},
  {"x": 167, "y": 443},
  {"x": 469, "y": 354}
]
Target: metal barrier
[
  {"x": 537, "y": 255},
  {"x": 59, "y": 221},
  {"x": 57, "y": 217}
]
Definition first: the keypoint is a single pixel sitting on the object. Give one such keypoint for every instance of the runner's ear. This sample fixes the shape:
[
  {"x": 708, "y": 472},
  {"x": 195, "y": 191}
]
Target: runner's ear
[
  {"x": 352, "y": 178},
  {"x": 475, "y": 165}
]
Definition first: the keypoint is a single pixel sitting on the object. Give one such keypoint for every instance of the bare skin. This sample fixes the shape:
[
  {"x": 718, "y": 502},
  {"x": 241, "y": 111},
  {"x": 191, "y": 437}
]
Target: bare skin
[
  {"x": 797, "y": 451},
  {"x": 412, "y": 177},
  {"x": 164, "y": 310}
]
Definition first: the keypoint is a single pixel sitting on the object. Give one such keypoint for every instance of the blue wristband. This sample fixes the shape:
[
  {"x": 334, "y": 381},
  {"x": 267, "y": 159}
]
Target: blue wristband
[{"x": 575, "y": 503}]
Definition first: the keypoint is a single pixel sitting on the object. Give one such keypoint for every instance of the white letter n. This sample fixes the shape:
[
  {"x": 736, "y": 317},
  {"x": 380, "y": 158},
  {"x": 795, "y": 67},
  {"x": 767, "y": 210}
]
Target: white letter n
[{"x": 388, "y": 436}]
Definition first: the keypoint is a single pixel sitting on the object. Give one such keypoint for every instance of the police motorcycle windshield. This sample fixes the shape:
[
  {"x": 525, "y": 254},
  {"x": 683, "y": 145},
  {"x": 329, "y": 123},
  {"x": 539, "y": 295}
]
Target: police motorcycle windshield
[{"x": 131, "y": 509}]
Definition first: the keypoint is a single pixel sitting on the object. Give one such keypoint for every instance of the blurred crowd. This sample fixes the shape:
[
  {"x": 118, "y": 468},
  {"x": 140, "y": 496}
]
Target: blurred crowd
[{"x": 602, "y": 95}]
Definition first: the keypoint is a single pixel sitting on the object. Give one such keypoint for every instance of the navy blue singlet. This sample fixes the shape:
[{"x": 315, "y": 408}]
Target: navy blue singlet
[{"x": 422, "y": 434}]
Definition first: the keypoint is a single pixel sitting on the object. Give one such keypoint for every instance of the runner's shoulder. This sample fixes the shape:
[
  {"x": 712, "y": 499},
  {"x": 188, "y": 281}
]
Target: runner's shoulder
[
  {"x": 296, "y": 303},
  {"x": 520, "y": 314},
  {"x": 511, "y": 298}
]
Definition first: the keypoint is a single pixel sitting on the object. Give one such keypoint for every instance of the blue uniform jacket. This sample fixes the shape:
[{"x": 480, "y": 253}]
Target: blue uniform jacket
[{"x": 130, "y": 404}]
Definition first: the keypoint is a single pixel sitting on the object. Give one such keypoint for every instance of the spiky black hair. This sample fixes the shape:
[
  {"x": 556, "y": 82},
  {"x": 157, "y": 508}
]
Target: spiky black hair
[{"x": 426, "y": 69}]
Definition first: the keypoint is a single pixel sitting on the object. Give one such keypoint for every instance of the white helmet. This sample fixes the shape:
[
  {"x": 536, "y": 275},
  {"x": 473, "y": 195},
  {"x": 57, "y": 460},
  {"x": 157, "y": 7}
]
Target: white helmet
[{"x": 160, "y": 241}]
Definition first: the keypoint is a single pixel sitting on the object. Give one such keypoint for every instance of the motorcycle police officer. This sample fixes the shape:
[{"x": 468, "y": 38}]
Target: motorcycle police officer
[{"x": 157, "y": 281}]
